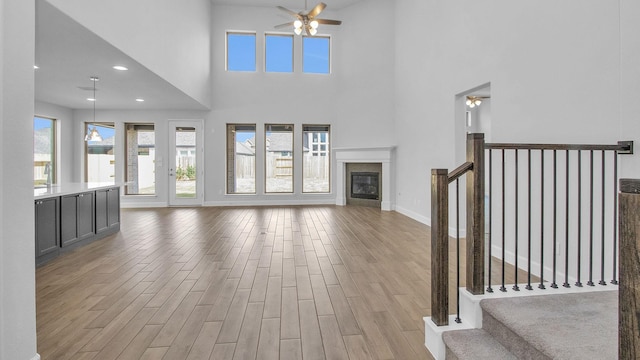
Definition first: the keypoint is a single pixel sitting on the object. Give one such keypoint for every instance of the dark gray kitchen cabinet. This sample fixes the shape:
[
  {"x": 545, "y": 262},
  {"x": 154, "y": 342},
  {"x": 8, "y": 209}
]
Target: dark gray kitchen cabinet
[
  {"x": 107, "y": 209},
  {"x": 47, "y": 226},
  {"x": 77, "y": 221}
]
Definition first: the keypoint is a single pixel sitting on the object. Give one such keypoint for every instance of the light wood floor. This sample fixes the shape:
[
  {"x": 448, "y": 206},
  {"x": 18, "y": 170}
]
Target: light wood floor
[{"x": 241, "y": 283}]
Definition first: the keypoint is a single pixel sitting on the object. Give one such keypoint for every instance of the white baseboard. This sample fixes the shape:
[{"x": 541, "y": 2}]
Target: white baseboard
[
  {"x": 36, "y": 357},
  {"x": 414, "y": 215}
]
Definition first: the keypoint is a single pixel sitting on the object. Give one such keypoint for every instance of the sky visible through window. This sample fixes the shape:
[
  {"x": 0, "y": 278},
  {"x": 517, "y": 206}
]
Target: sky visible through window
[
  {"x": 40, "y": 123},
  {"x": 241, "y": 53},
  {"x": 315, "y": 57},
  {"x": 279, "y": 53}
]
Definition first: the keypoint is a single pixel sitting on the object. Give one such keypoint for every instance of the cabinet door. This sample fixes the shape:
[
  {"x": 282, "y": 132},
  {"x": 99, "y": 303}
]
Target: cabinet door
[
  {"x": 85, "y": 215},
  {"x": 68, "y": 220},
  {"x": 101, "y": 211},
  {"x": 113, "y": 206},
  {"x": 46, "y": 226}
]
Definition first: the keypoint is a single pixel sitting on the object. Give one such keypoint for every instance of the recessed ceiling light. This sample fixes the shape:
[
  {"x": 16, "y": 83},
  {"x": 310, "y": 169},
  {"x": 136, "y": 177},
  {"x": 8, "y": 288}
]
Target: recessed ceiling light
[
  {"x": 36, "y": 67},
  {"x": 91, "y": 99},
  {"x": 120, "y": 67},
  {"x": 139, "y": 100}
]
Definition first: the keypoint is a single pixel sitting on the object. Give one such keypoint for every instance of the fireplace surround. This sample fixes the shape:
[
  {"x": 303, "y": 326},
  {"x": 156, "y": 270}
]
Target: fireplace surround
[{"x": 381, "y": 156}]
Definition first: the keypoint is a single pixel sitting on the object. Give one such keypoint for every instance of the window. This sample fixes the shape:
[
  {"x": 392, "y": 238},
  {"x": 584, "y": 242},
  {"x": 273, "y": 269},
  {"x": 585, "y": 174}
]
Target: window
[
  {"x": 99, "y": 157},
  {"x": 315, "y": 54},
  {"x": 241, "y": 51},
  {"x": 140, "y": 145},
  {"x": 279, "y": 158},
  {"x": 44, "y": 151},
  {"x": 278, "y": 51},
  {"x": 315, "y": 159},
  {"x": 241, "y": 159}
]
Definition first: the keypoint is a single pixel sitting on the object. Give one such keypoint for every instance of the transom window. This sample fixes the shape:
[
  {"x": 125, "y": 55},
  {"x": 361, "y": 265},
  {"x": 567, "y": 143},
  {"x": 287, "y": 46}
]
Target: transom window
[
  {"x": 278, "y": 53},
  {"x": 315, "y": 54},
  {"x": 241, "y": 51}
]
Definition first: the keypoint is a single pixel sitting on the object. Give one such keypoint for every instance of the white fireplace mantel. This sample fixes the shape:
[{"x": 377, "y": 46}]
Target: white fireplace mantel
[{"x": 382, "y": 154}]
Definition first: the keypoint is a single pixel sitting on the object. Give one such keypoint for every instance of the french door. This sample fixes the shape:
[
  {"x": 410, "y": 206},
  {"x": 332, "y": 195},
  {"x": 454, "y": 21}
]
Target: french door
[{"x": 186, "y": 165}]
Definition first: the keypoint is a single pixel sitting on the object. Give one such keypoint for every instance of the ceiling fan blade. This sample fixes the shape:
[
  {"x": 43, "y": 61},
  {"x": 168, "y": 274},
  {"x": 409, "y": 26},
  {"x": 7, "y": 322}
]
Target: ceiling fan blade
[
  {"x": 289, "y": 24},
  {"x": 290, "y": 12},
  {"x": 316, "y": 10},
  {"x": 328, "y": 22}
]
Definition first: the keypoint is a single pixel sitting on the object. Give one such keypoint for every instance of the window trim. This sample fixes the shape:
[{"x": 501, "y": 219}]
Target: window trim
[
  {"x": 226, "y": 49},
  {"x": 329, "y": 56}
]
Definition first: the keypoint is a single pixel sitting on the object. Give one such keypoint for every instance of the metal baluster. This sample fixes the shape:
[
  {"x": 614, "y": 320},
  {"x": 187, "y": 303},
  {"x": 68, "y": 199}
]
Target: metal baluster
[
  {"x": 541, "y": 285},
  {"x": 602, "y": 282},
  {"x": 502, "y": 287},
  {"x": 489, "y": 288},
  {"x": 590, "y": 282},
  {"x": 578, "y": 283},
  {"x": 515, "y": 286},
  {"x": 615, "y": 217},
  {"x": 555, "y": 219},
  {"x": 566, "y": 228},
  {"x": 458, "y": 320},
  {"x": 528, "y": 286}
]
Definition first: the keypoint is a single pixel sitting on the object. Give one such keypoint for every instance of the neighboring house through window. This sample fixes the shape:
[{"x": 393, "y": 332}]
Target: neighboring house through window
[
  {"x": 316, "y": 159},
  {"x": 279, "y": 158},
  {"x": 99, "y": 155},
  {"x": 140, "y": 146},
  {"x": 44, "y": 151},
  {"x": 241, "y": 158}
]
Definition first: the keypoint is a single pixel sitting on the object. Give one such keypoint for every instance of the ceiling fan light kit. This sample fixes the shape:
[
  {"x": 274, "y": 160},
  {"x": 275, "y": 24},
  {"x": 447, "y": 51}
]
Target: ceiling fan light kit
[
  {"x": 473, "y": 101},
  {"x": 306, "y": 20}
]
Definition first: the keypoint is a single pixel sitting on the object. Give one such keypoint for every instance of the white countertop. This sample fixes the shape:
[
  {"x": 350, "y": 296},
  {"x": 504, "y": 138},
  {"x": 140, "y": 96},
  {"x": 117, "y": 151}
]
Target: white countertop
[{"x": 69, "y": 188}]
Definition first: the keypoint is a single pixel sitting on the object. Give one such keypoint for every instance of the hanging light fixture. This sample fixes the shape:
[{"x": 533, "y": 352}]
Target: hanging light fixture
[
  {"x": 93, "y": 134},
  {"x": 473, "y": 101}
]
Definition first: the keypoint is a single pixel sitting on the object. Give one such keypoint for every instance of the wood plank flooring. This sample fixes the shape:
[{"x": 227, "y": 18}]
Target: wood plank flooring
[{"x": 320, "y": 282}]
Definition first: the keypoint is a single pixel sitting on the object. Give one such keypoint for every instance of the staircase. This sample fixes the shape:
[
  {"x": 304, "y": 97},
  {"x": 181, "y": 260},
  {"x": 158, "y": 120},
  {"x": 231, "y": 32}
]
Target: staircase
[{"x": 564, "y": 326}]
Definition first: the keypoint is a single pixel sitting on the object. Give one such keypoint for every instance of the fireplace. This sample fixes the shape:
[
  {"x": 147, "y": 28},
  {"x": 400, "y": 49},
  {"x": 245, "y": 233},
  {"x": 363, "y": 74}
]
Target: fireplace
[
  {"x": 364, "y": 185},
  {"x": 365, "y": 160}
]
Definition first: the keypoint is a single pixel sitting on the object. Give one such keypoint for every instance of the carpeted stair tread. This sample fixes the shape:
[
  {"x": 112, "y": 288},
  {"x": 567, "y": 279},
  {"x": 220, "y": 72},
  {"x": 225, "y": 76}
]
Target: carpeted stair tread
[
  {"x": 474, "y": 344},
  {"x": 563, "y": 326}
]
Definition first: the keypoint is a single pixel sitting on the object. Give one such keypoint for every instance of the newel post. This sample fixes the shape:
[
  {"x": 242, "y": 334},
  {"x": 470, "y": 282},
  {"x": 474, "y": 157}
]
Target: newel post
[
  {"x": 440, "y": 247},
  {"x": 629, "y": 290},
  {"x": 475, "y": 214}
]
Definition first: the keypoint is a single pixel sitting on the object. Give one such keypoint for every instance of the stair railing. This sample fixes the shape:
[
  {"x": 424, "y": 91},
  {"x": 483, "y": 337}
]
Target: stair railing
[{"x": 566, "y": 228}]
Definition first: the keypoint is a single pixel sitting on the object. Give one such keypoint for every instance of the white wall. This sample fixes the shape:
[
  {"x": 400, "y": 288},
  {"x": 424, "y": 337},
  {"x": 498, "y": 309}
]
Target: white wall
[
  {"x": 17, "y": 245},
  {"x": 170, "y": 38},
  {"x": 64, "y": 137},
  {"x": 365, "y": 59},
  {"x": 554, "y": 77}
]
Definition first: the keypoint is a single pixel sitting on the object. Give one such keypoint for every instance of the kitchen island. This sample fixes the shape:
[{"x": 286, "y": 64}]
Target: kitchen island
[{"x": 74, "y": 214}]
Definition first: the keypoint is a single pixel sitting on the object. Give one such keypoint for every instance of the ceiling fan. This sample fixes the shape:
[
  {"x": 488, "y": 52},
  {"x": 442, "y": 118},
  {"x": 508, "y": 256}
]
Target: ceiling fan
[{"x": 307, "y": 21}]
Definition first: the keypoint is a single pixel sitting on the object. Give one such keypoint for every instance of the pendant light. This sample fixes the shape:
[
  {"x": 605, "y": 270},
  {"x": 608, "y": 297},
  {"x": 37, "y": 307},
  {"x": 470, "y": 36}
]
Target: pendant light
[{"x": 93, "y": 134}]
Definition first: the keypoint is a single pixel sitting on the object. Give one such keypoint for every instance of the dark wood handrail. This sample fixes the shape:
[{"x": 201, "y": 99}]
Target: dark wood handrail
[
  {"x": 459, "y": 171},
  {"x": 623, "y": 147}
]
